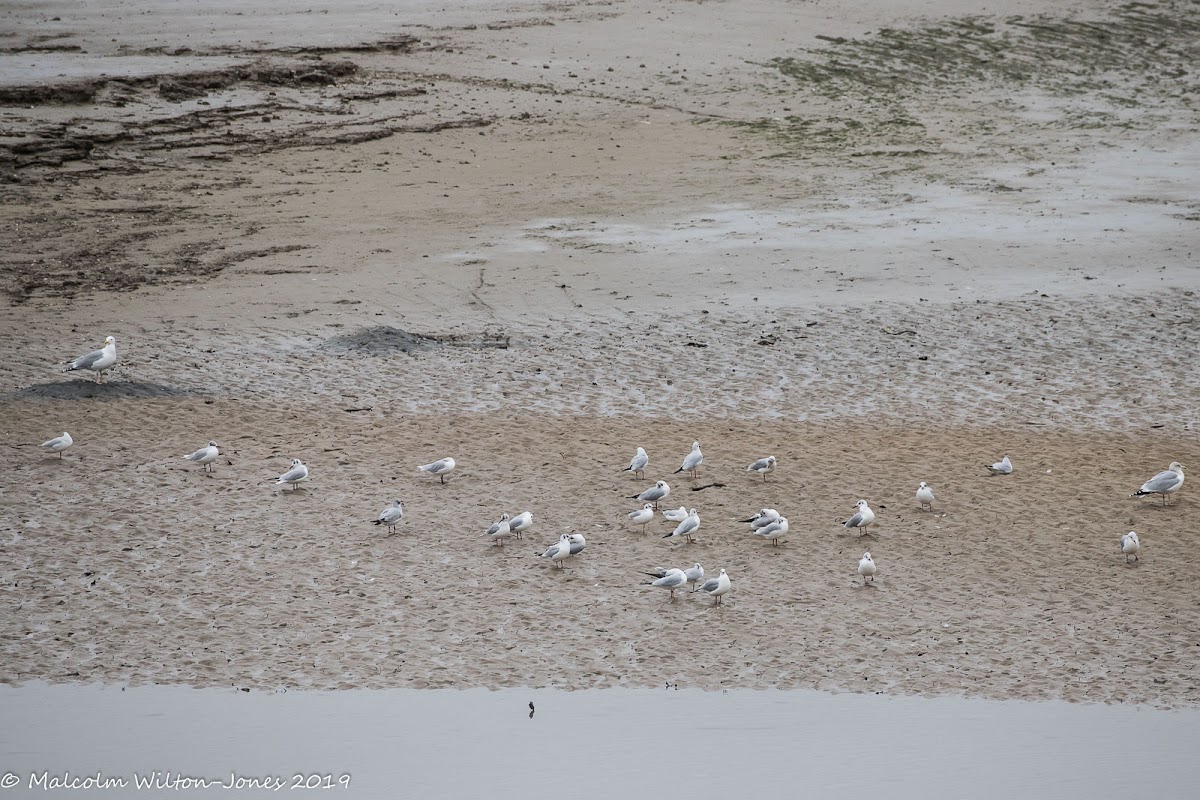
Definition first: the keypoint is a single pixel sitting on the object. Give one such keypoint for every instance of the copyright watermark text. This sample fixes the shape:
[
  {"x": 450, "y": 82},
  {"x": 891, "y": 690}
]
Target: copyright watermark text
[{"x": 171, "y": 781}]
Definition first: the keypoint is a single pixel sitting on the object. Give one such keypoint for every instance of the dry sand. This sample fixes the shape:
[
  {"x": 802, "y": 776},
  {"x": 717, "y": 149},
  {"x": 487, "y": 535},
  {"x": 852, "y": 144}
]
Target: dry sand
[{"x": 535, "y": 237}]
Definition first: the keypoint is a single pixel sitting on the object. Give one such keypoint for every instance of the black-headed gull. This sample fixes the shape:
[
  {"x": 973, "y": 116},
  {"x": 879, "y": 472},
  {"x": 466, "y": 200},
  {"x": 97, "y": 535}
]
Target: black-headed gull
[
  {"x": 559, "y": 551},
  {"x": 659, "y": 491},
  {"x": 864, "y": 516},
  {"x": 59, "y": 443},
  {"x": 637, "y": 464},
  {"x": 1166, "y": 482},
  {"x": 1001, "y": 467},
  {"x": 98, "y": 360},
  {"x": 521, "y": 523},
  {"x": 762, "y": 518},
  {"x": 925, "y": 496},
  {"x": 391, "y": 515},
  {"x": 776, "y": 531},
  {"x": 671, "y": 579},
  {"x": 675, "y": 515},
  {"x": 717, "y": 587},
  {"x": 499, "y": 530},
  {"x": 441, "y": 467},
  {"x": 866, "y": 568},
  {"x": 1131, "y": 545},
  {"x": 692, "y": 461},
  {"x": 764, "y": 466},
  {"x": 643, "y": 516},
  {"x": 293, "y": 476},
  {"x": 578, "y": 543},
  {"x": 686, "y": 529},
  {"x": 205, "y": 455}
]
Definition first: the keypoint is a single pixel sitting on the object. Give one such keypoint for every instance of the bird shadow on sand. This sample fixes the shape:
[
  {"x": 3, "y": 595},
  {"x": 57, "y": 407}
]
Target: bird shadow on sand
[{"x": 87, "y": 390}]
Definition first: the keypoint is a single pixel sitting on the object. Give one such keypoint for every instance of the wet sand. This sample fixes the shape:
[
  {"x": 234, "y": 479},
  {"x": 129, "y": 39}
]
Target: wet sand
[
  {"x": 366, "y": 744},
  {"x": 533, "y": 239}
]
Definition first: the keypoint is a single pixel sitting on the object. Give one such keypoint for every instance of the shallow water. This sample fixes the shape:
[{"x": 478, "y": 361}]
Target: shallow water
[{"x": 445, "y": 743}]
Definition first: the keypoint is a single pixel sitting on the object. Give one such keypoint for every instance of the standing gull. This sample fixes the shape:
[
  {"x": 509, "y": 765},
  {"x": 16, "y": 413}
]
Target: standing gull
[
  {"x": 578, "y": 543},
  {"x": 500, "y": 530},
  {"x": 441, "y": 467},
  {"x": 297, "y": 473},
  {"x": 59, "y": 443},
  {"x": 776, "y": 531},
  {"x": 671, "y": 579},
  {"x": 692, "y": 461},
  {"x": 643, "y": 516},
  {"x": 925, "y": 496},
  {"x": 391, "y": 515},
  {"x": 1164, "y": 483},
  {"x": 717, "y": 587},
  {"x": 654, "y": 494},
  {"x": 866, "y": 568},
  {"x": 638, "y": 464},
  {"x": 98, "y": 360},
  {"x": 688, "y": 528},
  {"x": 863, "y": 518},
  {"x": 1130, "y": 546},
  {"x": 205, "y": 455},
  {"x": 1001, "y": 467},
  {"x": 520, "y": 523},
  {"x": 763, "y": 466},
  {"x": 559, "y": 551}
]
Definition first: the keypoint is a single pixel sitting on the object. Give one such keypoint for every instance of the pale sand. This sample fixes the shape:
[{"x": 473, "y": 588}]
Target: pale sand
[{"x": 585, "y": 261}]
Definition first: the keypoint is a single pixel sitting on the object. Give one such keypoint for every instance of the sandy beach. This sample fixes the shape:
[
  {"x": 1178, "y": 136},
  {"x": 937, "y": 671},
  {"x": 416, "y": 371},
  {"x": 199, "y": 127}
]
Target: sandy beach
[{"x": 884, "y": 245}]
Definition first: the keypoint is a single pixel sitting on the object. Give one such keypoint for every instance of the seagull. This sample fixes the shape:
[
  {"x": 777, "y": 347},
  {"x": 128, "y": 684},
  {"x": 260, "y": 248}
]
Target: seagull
[
  {"x": 655, "y": 493},
  {"x": 578, "y": 543},
  {"x": 1130, "y": 545},
  {"x": 205, "y": 455},
  {"x": 678, "y": 515},
  {"x": 1001, "y": 467},
  {"x": 694, "y": 575},
  {"x": 643, "y": 516},
  {"x": 687, "y": 528},
  {"x": 559, "y": 551},
  {"x": 500, "y": 530},
  {"x": 866, "y": 568},
  {"x": 98, "y": 360},
  {"x": 717, "y": 587},
  {"x": 671, "y": 579},
  {"x": 776, "y": 531},
  {"x": 692, "y": 460},
  {"x": 59, "y": 443},
  {"x": 763, "y": 466},
  {"x": 925, "y": 496},
  {"x": 440, "y": 467},
  {"x": 863, "y": 518},
  {"x": 1164, "y": 483},
  {"x": 297, "y": 473},
  {"x": 638, "y": 464},
  {"x": 391, "y": 515},
  {"x": 521, "y": 522},
  {"x": 762, "y": 519}
]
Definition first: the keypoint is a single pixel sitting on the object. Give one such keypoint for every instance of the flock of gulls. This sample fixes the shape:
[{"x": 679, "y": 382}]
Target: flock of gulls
[{"x": 768, "y": 523}]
